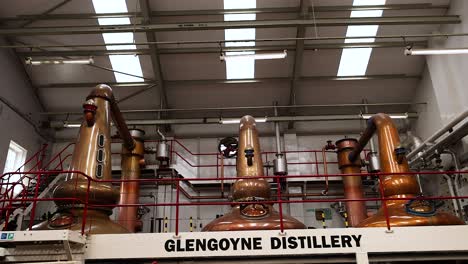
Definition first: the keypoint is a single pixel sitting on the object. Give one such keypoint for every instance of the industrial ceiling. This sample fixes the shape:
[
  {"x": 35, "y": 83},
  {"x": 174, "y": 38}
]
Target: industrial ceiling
[{"x": 181, "y": 75}]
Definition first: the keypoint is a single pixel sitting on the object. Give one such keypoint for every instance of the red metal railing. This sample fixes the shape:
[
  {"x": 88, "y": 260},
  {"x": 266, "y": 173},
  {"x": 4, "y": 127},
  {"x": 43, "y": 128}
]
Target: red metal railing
[
  {"x": 29, "y": 180},
  {"x": 177, "y": 204}
]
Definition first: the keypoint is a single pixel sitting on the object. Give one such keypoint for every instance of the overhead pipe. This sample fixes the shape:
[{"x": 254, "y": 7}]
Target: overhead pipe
[
  {"x": 255, "y": 214},
  {"x": 406, "y": 211},
  {"x": 217, "y": 120},
  {"x": 234, "y": 108},
  {"x": 280, "y": 165}
]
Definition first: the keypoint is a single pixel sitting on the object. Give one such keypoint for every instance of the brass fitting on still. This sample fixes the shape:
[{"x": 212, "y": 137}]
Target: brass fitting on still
[
  {"x": 249, "y": 154},
  {"x": 89, "y": 110}
]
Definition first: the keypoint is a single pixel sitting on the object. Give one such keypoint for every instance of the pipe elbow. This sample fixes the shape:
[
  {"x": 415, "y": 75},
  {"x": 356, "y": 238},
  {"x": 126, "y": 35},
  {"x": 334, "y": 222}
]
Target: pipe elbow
[
  {"x": 380, "y": 119},
  {"x": 103, "y": 91},
  {"x": 247, "y": 122}
]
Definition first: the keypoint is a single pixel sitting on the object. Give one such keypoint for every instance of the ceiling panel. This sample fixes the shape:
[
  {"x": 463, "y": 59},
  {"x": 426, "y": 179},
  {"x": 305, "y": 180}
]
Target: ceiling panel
[
  {"x": 226, "y": 95},
  {"x": 377, "y": 91},
  {"x": 393, "y": 61},
  {"x": 192, "y": 67},
  {"x": 171, "y": 5}
]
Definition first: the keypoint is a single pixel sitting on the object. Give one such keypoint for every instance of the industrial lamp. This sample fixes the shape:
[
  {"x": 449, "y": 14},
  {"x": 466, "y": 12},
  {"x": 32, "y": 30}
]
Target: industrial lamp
[
  {"x": 256, "y": 56},
  {"x": 411, "y": 51},
  {"x": 30, "y": 61}
]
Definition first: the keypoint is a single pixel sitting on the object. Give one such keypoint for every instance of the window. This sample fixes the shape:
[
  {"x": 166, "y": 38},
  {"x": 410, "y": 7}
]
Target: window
[
  {"x": 354, "y": 61},
  {"x": 124, "y": 63},
  {"x": 239, "y": 68},
  {"x": 16, "y": 157}
]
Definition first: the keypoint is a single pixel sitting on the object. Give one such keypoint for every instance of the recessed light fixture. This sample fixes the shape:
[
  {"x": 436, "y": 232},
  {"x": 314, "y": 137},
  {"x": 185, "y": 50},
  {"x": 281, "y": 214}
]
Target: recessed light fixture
[
  {"x": 256, "y": 56},
  {"x": 355, "y": 61},
  {"x": 124, "y": 63}
]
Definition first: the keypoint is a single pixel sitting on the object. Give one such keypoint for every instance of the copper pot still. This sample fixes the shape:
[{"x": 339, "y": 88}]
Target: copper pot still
[
  {"x": 257, "y": 216},
  {"x": 404, "y": 212},
  {"x": 352, "y": 184},
  {"x": 92, "y": 156}
]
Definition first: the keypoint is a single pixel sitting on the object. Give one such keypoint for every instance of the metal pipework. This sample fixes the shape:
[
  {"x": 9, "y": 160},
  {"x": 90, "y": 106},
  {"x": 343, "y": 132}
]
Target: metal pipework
[
  {"x": 130, "y": 191},
  {"x": 352, "y": 184},
  {"x": 438, "y": 134},
  {"x": 250, "y": 216},
  {"x": 105, "y": 92},
  {"x": 91, "y": 156},
  {"x": 393, "y": 160},
  {"x": 280, "y": 165}
]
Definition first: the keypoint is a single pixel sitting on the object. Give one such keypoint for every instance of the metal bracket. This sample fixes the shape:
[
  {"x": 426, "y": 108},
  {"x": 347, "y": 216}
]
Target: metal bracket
[{"x": 66, "y": 246}]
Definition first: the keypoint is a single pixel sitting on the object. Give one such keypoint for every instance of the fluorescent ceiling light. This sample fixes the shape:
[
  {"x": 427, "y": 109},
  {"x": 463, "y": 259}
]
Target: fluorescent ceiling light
[
  {"x": 237, "y": 120},
  {"x": 355, "y": 61},
  {"x": 257, "y": 56},
  {"x": 240, "y": 67},
  {"x": 410, "y": 51},
  {"x": 71, "y": 125},
  {"x": 124, "y": 63},
  {"x": 393, "y": 116},
  {"x": 30, "y": 61}
]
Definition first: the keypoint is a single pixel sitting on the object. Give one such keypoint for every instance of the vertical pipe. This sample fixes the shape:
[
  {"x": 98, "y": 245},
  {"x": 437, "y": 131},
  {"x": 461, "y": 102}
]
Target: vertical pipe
[
  {"x": 280, "y": 203},
  {"x": 130, "y": 191},
  {"x": 36, "y": 191},
  {"x": 352, "y": 184},
  {"x": 277, "y": 132},
  {"x": 177, "y": 208},
  {"x": 384, "y": 202}
]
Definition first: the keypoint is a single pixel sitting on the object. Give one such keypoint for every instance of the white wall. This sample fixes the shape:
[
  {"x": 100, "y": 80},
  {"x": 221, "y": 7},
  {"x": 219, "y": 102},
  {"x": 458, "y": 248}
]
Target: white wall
[
  {"x": 17, "y": 91},
  {"x": 444, "y": 81}
]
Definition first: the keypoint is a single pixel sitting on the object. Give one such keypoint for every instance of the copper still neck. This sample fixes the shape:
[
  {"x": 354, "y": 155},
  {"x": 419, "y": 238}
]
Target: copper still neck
[
  {"x": 257, "y": 216},
  {"x": 352, "y": 184},
  {"x": 249, "y": 164},
  {"x": 393, "y": 160}
]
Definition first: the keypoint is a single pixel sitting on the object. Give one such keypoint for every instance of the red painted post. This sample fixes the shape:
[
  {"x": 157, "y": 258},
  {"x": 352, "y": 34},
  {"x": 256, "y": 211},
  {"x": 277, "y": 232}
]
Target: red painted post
[
  {"x": 177, "y": 208},
  {"x": 280, "y": 203},
  {"x": 384, "y": 202}
]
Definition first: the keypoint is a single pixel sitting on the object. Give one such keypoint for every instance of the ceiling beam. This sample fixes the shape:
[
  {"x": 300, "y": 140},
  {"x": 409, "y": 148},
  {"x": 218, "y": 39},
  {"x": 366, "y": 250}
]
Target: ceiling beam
[
  {"x": 187, "y": 26},
  {"x": 207, "y": 50},
  {"x": 298, "y": 56},
  {"x": 238, "y": 81},
  {"x": 154, "y": 53},
  {"x": 280, "y": 10}
]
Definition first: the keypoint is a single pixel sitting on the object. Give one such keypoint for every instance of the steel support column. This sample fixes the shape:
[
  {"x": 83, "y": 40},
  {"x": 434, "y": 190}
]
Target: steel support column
[
  {"x": 298, "y": 55},
  {"x": 154, "y": 53}
]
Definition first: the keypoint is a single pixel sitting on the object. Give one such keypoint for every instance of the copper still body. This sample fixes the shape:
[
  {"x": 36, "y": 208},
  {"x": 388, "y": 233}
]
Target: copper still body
[
  {"x": 91, "y": 156},
  {"x": 352, "y": 184},
  {"x": 258, "y": 216},
  {"x": 404, "y": 212}
]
